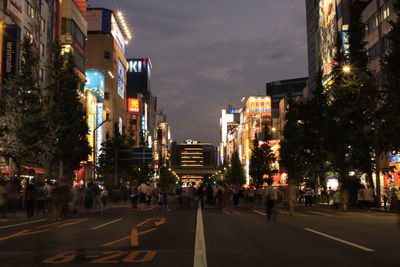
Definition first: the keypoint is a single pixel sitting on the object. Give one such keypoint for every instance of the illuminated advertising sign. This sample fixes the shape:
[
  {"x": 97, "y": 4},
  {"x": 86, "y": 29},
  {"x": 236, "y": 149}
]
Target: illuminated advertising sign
[
  {"x": 133, "y": 105},
  {"x": 117, "y": 33},
  {"x": 259, "y": 105},
  {"x": 345, "y": 42},
  {"x": 138, "y": 76},
  {"x": 95, "y": 84},
  {"x": 328, "y": 29},
  {"x": 121, "y": 78},
  {"x": 99, "y": 131},
  {"x": 91, "y": 123},
  {"x": 234, "y": 111},
  {"x": 11, "y": 39}
]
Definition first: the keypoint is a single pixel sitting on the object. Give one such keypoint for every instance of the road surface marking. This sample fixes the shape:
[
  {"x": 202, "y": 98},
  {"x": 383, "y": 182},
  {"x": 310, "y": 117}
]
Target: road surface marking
[
  {"x": 320, "y": 213},
  {"x": 158, "y": 221},
  {"x": 22, "y": 233},
  {"x": 339, "y": 240},
  {"x": 97, "y": 227},
  {"x": 230, "y": 212},
  {"x": 200, "y": 259},
  {"x": 134, "y": 237},
  {"x": 259, "y": 212},
  {"x": 129, "y": 237},
  {"x": 64, "y": 223},
  {"x": 8, "y": 226}
]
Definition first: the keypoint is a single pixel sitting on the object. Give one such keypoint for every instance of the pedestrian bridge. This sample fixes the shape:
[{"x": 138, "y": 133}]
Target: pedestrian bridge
[{"x": 201, "y": 171}]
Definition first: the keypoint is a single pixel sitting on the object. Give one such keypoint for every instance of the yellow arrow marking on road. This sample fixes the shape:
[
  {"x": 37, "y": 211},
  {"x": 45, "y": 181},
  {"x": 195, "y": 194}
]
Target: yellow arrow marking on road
[
  {"x": 133, "y": 237},
  {"x": 158, "y": 221},
  {"x": 22, "y": 233}
]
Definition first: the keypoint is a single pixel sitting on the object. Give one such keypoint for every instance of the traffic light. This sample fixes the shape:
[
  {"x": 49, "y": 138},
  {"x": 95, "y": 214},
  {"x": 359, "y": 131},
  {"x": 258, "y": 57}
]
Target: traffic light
[
  {"x": 176, "y": 182},
  {"x": 214, "y": 182}
]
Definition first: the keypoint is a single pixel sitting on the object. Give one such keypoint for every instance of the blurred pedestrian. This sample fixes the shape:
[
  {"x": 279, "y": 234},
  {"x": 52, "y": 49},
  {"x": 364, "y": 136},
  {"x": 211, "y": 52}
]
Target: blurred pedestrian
[
  {"x": 3, "y": 198},
  {"x": 251, "y": 194},
  {"x": 271, "y": 197},
  {"x": 142, "y": 189},
  {"x": 88, "y": 195},
  {"x": 30, "y": 200},
  {"x": 308, "y": 195},
  {"x": 360, "y": 198},
  {"x": 149, "y": 194},
  {"x": 292, "y": 194},
  {"x": 336, "y": 199},
  {"x": 40, "y": 198},
  {"x": 368, "y": 196},
  {"x": 134, "y": 196},
  {"x": 104, "y": 196},
  {"x": 386, "y": 195}
]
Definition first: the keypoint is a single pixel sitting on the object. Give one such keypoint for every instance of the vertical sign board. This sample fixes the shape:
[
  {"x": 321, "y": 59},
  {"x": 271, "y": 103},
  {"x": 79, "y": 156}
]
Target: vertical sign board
[
  {"x": 11, "y": 37},
  {"x": 327, "y": 33},
  {"x": 99, "y": 131},
  {"x": 91, "y": 122},
  {"x": 117, "y": 33},
  {"x": 121, "y": 78}
]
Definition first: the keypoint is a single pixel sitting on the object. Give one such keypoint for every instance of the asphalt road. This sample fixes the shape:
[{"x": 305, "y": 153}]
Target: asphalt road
[{"x": 240, "y": 236}]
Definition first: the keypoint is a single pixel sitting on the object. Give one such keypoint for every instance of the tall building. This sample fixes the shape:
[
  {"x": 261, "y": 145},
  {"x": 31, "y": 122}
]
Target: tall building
[
  {"x": 280, "y": 89},
  {"x": 108, "y": 36},
  {"x": 71, "y": 29},
  {"x": 229, "y": 121}
]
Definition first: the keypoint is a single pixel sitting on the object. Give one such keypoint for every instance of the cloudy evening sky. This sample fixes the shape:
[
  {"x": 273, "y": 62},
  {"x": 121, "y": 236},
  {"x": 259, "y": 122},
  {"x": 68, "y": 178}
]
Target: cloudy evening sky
[{"x": 207, "y": 54}]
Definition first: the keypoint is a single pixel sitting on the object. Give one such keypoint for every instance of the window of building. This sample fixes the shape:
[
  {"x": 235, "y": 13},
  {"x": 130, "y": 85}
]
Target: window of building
[
  {"x": 41, "y": 49},
  {"x": 68, "y": 26},
  {"x": 41, "y": 74},
  {"x": 29, "y": 10},
  {"x": 42, "y": 25},
  {"x": 107, "y": 54},
  {"x": 106, "y": 95}
]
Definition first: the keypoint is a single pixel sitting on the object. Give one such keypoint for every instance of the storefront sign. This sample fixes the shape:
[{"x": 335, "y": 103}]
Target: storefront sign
[
  {"x": 11, "y": 39},
  {"x": 133, "y": 105}
]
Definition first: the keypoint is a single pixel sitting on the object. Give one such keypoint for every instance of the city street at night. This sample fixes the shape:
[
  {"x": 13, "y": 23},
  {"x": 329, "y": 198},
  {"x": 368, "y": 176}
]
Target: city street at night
[{"x": 232, "y": 237}]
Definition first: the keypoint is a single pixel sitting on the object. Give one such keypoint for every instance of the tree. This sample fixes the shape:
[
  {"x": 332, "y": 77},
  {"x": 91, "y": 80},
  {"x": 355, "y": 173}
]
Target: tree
[
  {"x": 256, "y": 169},
  {"x": 292, "y": 152},
  {"x": 235, "y": 173},
  {"x": 314, "y": 117},
  {"x": 67, "y": 144},
  {"x": 167, "y": 178},
  {"x": 22, "y": 118},
  {"x": 116, "y": 160},
  {"x": 262, "y": 158}
]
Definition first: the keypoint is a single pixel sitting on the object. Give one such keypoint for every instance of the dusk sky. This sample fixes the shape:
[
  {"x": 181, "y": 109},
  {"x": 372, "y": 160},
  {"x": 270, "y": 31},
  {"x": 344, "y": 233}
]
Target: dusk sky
[{"x": 207, "y": 54}]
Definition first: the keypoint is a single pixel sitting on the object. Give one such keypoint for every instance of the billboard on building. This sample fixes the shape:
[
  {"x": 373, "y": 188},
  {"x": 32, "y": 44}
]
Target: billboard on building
[
  {"x": 327, "y": 33},
  {"x": 95, "y": 84},
  {"x": 259, "y": 106},
  {"x": 133, "y": 105},
  {"x": 138, "y": 76},
  {"x": 117, "y": 33},
  {"x": 10, "y": 43}
]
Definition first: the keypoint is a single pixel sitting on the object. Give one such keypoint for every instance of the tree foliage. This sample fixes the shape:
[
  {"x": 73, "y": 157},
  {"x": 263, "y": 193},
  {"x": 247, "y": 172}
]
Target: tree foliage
[
  {"x": 262, "y": 157},
  {"x": 22, "y": 114},
  {"x": 235, "y": 173},
  {"x": 66, "y": 142}
]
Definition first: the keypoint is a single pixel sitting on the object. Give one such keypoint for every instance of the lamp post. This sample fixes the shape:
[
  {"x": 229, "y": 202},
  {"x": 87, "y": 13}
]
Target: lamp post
[{"x": 95, "y": 148}]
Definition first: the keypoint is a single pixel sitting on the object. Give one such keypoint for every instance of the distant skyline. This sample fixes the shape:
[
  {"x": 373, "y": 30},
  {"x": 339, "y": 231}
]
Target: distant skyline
[{"x": 210, "y": 53}]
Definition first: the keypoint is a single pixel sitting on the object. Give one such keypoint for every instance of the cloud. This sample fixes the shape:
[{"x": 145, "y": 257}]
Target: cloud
[{"x": 208, "y": 54}]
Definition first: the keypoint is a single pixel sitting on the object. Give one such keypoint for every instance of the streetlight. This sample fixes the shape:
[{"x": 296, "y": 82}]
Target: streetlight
[{"x": 346, "y": 68}]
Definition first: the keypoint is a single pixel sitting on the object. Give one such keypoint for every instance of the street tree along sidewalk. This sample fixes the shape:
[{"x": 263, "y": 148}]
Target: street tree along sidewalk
[
  {"x": 66, "y": 144},
  {"x": 21, "y": 117},
  {"x": 262, "y": 157},
  {"x": 235, "y": 173}
]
